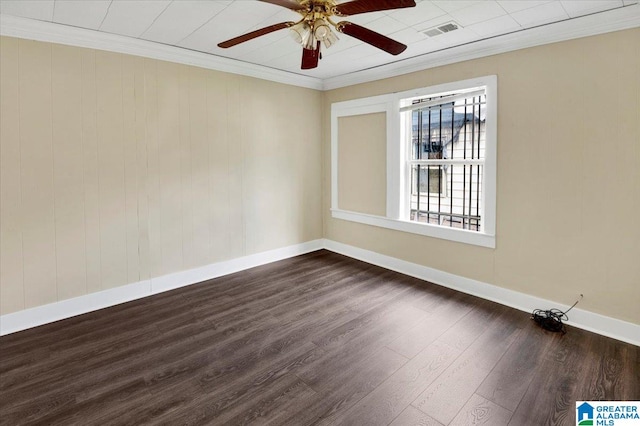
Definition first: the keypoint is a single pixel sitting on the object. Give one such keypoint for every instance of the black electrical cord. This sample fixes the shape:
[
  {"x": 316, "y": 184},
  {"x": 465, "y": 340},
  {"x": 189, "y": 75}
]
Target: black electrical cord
[{"x": 552, "y": 319}]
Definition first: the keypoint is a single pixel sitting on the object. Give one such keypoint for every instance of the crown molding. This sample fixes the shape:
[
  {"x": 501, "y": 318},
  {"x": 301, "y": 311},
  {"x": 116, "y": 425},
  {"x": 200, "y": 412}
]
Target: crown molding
[
  {"x": 13, "y": 26},
  {"x": 599, "y": 23}
]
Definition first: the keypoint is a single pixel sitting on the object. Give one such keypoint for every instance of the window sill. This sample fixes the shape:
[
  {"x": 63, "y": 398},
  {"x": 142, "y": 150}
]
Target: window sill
[{"x": 451, "y": 234}]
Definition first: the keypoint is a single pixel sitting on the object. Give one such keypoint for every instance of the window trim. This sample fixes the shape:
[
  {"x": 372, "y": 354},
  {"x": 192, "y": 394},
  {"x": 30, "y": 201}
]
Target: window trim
[{"x": 396, "y": 163}]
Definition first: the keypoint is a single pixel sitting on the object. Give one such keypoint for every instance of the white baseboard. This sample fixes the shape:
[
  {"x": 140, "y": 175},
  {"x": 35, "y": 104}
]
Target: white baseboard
[
  {"x": 214, "y": 270},
  {"x": 596, "y": 323},
  {"x": 33, "y": 317},
  {"x": 28, "y": 318}
]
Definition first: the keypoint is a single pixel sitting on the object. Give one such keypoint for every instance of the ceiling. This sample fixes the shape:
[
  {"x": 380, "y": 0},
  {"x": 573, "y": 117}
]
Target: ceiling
[{"x": 198, "y": 25}]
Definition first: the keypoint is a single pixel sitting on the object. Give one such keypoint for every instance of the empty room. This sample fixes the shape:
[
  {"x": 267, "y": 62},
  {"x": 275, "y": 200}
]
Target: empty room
[{"x": 320, "y": 212}]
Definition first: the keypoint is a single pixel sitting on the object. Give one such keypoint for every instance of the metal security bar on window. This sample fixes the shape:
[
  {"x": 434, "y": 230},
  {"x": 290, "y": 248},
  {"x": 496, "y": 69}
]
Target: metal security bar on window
[{"x": 447, "y": 139}]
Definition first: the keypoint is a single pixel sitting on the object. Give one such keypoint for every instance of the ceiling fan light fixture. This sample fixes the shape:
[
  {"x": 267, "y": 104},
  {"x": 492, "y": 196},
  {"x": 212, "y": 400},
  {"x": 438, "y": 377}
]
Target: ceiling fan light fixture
[
  {"x": 301, "y": 33},
  {"x": 321, "y": 29},
  {"x": 322, "y": 32},
  {"x": 330, "y": 40},
  {"x": 310, "y": 42}
]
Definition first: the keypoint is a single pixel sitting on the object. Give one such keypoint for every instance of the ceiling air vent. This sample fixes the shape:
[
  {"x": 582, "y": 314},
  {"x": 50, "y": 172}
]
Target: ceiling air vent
[{"x": 441, "y": 29}]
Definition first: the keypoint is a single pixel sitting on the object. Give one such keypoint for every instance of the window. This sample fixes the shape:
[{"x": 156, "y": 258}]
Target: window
[
  {"x": 447, "y": 136},
  {"x": 440, "y": 160}
]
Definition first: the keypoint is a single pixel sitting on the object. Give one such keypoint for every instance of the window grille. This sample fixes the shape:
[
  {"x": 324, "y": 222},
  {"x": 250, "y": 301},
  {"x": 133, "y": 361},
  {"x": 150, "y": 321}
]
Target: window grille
[{"x": 446, "y": 159}]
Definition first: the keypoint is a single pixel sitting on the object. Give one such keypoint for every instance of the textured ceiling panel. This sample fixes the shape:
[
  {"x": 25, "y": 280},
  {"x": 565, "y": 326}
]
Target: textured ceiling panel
[
  {"x": 200, "y": 25},
  {"x": 539, "y": 15},
  {"x": 500, "y": 25},
  {"x": 511, "y": 6},
  {"x": 479, "y": 12},
  {"x": 132, "y": 17},
  {"x": 577, "y": 8},
  {"x": 81, "y": 13},
  {"x": 182, "y": 18},
  {"x": 423, "y": 11},
  {"x": 35, "y": 9}
]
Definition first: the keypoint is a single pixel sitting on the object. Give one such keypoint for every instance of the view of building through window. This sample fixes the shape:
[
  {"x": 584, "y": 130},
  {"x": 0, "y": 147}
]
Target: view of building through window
[{"x": 446, "y": 156}]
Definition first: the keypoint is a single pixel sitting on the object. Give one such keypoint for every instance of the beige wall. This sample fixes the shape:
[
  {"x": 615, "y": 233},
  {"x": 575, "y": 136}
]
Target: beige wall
[
  {"x": 568, "y": 173},
  {"x": 362, "y": 163},
  {"x": 116, "y": 169}
]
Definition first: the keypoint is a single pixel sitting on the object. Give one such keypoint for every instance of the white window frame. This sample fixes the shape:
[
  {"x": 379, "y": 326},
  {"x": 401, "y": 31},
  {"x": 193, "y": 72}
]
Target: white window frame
[{"x": 397, "y": 217}]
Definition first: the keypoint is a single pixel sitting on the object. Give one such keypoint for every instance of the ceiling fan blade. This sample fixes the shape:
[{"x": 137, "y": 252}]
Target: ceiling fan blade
[
  {"x": 310, "y": 57},
  {"x": 363, "y": 6},
  {"x": 254, "y": 34},
  {"x": 289, "y": 4},
  {"x": 371, "y": 37}
]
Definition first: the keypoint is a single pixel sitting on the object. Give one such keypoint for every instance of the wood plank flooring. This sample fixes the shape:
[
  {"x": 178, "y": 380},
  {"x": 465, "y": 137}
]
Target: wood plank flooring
[{"x": 316, "y": 339}]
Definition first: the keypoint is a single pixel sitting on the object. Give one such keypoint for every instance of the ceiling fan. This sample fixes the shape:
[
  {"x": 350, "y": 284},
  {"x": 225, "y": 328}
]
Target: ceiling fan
[{"x": 315, "y": 26}]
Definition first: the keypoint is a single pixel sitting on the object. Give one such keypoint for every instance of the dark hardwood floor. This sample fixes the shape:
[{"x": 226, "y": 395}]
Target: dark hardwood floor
[{"x": 316, "y": 339}]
